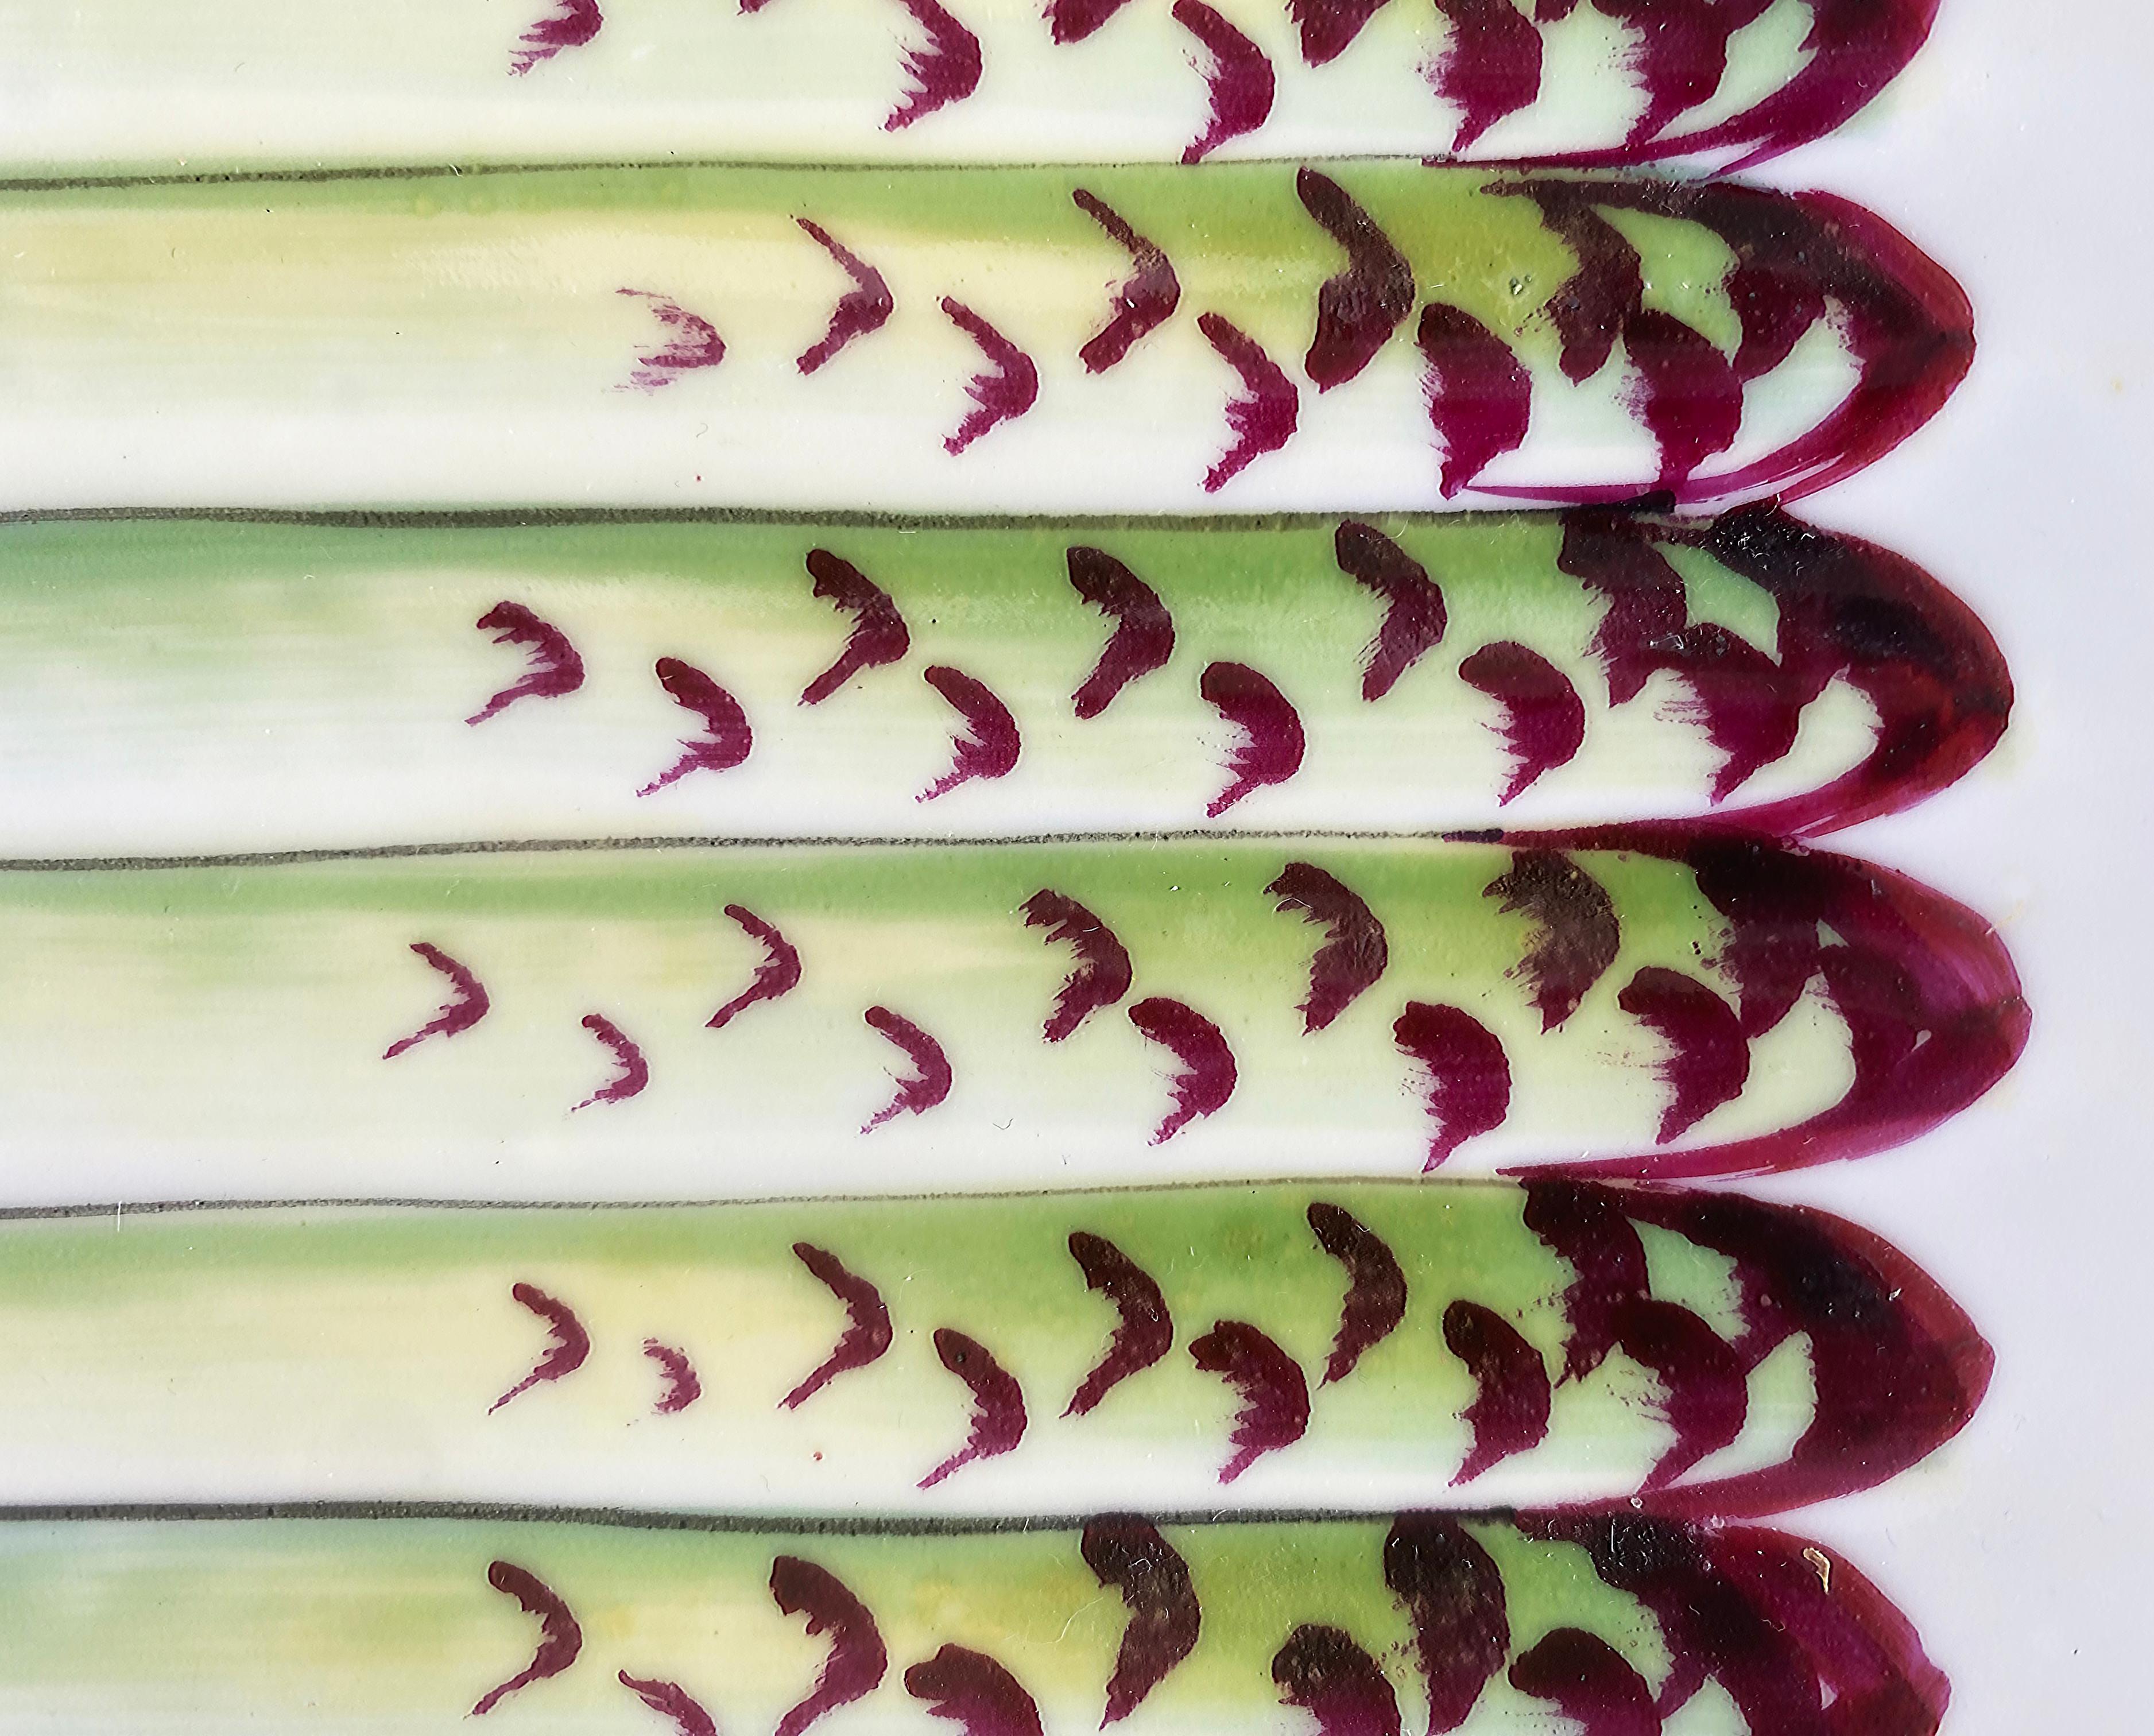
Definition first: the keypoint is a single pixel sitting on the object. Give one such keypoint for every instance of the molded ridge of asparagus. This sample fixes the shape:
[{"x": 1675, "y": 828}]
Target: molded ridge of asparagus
[
  {"x": 1353, "y": 1344},
  {"x": 383, "y": 1620},
  {"x": 908, "y": 80},
  {"x": 348, "y": 678},
  {"x": 632, "y": 1022},
  {"x": 1364, "y": 337}
]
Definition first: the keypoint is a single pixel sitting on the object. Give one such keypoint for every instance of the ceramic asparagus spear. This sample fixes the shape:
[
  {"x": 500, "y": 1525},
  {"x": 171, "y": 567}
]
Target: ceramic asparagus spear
[
  {"x": 682, "y": 1023},
  {"x": 1347, "y": 1344},
  {"x": 379, "y": 1624},
  {"x": 118, "y": 81},
  {"x": 1363, "y": 336},
  {"x": 337, "y": 682}
]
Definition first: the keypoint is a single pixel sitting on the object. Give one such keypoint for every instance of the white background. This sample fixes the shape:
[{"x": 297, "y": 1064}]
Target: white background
[{"x": 2016, "y": 150}]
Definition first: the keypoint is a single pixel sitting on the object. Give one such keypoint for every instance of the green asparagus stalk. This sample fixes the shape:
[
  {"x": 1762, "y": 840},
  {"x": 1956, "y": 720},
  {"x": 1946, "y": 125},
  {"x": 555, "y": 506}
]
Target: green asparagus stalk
[
  {"x": 665, "y": 1023},
  {"x": 109, "y": 81},
  {"x": 1373, "y": 336},
  {"x": 378, "y": 1623},
  {"x": 1342, "y": 1343},
  {"x": 262, "y": 682}
]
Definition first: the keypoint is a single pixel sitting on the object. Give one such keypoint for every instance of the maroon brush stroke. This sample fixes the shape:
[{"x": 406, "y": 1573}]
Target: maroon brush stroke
[
  {"x": 974, "y": 1691},
  {"x": 1708, "y": 1061},
  {"x": 1453, "y": 1598},
  {"x": 1354, "y": 954},
  {"x": 683, "y": 1386},
  {"x": 1490, "y": 68},
  {"x": 1606, "y": 288},
  {"x": 986, "y": 743},
  {"x": 1358, "y": 309},
  {"x": 1273, "y": 1392},
  {"x": 1588, "y": 1682},
  {"x": 861, "y": 311},
  {"x": 1680, "y": 55},
  {"x": 726, "y": 739},
  {"x": 1750, "y": 706},
  {"x": 1480, "y": 395},
  {"x": 930, "y": 1081},
  {"x": 1898, "y": 1369},
  {"x": 1685, "y": 392},
  {"x": 1925, "y": 985},
  {"x": 1585, "y": 1226},
  {"x": 1544, "y": 723},
  {"x": 1144, "y": 1330},
  {"x": 556, "y": 669},
  {"x": 1074, "y": 20},
  {"x": 1103, "y": 973},
  {"x": 1414, "y": 615},
  {"x": 1322, "y": 1670},
  {"x": 570, "y": 1343},
  {"x": 1239, "y": 85},
  {"x": 669, "y": 1699},
  {"x": 854, "y": 1666},
  {"x": 1146, "y": 299},
  {"x": 1264, "y": 418},
  {"x": 1165, "y": 1619},
  {"x": 1509, "y": 1413},
  {"x": 467, "y": 1002},
  {"x": 1207, "y": 1073},
  {"x": 1704, "y": 1397},
  {"x": 1848, "y": 608},
  {"x": 1882, "y": 1005},
  {"x": 1853, "y": 49},
  {"x": 1793, "y": 1593},
  {"x": 1773, "y": 950},
  {"x": 631, "y": 1072},
  {"x": 999, "y": 1417},
  {"x": 1611, "y": 552},
  {"x": 879, "y": 635},
  {"x": 1710, "y": 1627},
  {"x": 696, "y": 345},
  {"x": 778, "y": 975},
  {"x": 570, "y": 25},
  {"x": 1697, "y": 1584},
  {"x": 1328, "y": 28},
  {"x": 867, "y": 1333},
  {"x": 1575, "y": 935},
  {"x": 1009, "y": 386},
  {"x": 1908, "y": 326},
  {"x": 1143, "y": 638},
  {"x": 559, "y": 1638},
  {"x": 1375, "y": 1299},
  {"x": 1272, "y": 745},
  {"x": 1467, "y": 1088},
  {"x": 1775, "y": 304},
  {"x": 1740, "y": 697},
  {"x": 1864, "y": 1649},
  {"x": 945, "y": 70}
]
